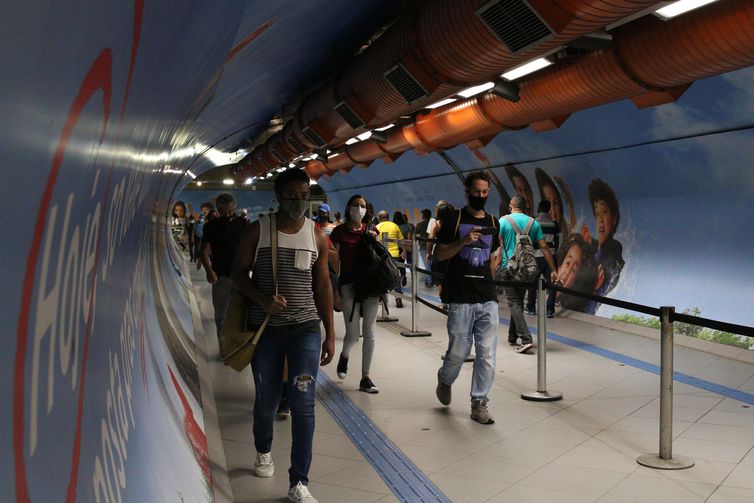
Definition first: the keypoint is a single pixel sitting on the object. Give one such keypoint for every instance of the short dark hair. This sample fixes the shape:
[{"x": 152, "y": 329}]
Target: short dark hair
[
  {"x": 426, "y": 213},
  {"x": 208, "y": 205},
  {"x": 289, "y": 176},
  {"x": 544, "y": 206},
  {"x": 518, "y": 202},
  {"x": 600, "y": 191},
  {"x": 476, "y": 175},
  {"x": 398, "y": 218},
  {"x": 225, "y": 199}
]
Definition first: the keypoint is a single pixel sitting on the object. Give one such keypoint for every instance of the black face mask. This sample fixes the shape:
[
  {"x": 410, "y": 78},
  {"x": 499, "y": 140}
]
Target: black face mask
[{"x": 477, "y": 203}]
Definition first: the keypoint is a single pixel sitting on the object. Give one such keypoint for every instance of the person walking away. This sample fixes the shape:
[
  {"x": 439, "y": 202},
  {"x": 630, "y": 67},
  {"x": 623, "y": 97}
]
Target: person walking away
[
  {"x": 551, "y": 231},
  {"x": 220, "y": 238},
  {"x": 407, "y": 230},
  {"x": 190, "y": 233},
  {"x": 346, "y": 238},
  {"x": 422, "y": 235},
  {"x": 392, "y": 231},
  {"x": 303, "y": 299},
  {"x": 468, "y": 240},
  {"x": 515, "y": 295}
]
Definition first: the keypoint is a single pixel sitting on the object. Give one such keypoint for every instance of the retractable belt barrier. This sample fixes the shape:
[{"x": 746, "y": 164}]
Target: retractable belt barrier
[{"x": 663, "y": 460}]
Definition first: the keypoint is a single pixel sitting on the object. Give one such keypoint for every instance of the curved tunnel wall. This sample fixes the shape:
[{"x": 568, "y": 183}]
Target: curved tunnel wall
[
  {"x": 100, "y": 117},
  {"x": 105, "y": 105}
]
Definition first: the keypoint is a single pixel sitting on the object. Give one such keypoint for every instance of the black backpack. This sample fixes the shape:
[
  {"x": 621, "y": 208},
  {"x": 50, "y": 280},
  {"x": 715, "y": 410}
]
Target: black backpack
[{"x": 376, "y": 273}]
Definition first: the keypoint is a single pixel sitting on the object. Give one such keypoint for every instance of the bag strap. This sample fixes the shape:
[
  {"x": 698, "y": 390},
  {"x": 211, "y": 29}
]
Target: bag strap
[
  {"x": 458, "y": 223},
  {"x": 528, "y": 226},
  {"x": 274, "y": 253}
]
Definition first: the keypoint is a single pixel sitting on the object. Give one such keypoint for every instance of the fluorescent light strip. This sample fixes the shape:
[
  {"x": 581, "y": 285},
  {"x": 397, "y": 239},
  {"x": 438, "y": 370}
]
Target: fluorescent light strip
[
  {"x": 441, "y": 103},
  {"x": 526, "y": 69},
  {"x": 471, "y": 91},
  {"x": 365, "y": 136},
  {"x": 351, "y": 141},
  {"x": 228, "y": 181},
  {"x": 384, "y": 128},
  {"x": 681, "y": 7}
]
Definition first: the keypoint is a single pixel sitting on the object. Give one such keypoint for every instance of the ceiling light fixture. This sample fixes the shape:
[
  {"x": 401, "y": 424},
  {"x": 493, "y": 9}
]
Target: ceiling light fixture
[
  {"x": 384, "y": 128},
  {"x": 472, "y": 91},
  {"x": 441, "y": 103},
  {"x": 681, "y": 7},
  {"x": 248, "y": 181},
  {"x": 364, "y": 136},
  {"x": 228, "y": 181},
  {"x": 351, "y": 141},
  {"x": 198, "y": 183},
  {"x": 526, "y": 69}
]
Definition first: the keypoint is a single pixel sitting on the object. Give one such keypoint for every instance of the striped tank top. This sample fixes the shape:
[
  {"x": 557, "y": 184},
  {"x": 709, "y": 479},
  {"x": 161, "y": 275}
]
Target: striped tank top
[{"x": 296, "y": 256}]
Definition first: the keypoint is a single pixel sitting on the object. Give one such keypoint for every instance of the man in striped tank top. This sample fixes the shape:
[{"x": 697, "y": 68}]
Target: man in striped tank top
[{"x": 303, "y": 299}]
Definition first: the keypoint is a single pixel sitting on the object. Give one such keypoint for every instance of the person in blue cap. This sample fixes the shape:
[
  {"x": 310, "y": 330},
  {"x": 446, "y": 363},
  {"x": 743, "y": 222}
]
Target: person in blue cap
[{"x": 323, "y": 218}]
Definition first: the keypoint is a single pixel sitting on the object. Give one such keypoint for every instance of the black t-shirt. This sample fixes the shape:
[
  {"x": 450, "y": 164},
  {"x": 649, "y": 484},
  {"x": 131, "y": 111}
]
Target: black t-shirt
[
  {"x": 223, "y": 234},
  {"x": 468, "y": 276}
]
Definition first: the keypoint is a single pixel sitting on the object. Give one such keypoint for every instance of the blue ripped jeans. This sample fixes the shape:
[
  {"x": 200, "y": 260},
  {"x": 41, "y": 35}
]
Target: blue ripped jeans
[
  {"x": 303, "y": 351},
  {"x": 467, "y": 324}
]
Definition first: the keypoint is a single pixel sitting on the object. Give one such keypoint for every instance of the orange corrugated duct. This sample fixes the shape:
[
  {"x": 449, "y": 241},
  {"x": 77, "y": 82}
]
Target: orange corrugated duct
[
  {"x": 446, "y": 47},
  {"x": 695, "y": 46}
]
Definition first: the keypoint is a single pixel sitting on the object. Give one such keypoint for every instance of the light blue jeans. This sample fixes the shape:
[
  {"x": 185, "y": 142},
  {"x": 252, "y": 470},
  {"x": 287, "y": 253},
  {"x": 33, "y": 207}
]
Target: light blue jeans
[{"x": 467, "y": 324}]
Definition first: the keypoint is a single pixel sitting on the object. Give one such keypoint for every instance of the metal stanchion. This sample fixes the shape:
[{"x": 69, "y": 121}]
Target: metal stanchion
[
  {"x": 541, "y": 394},
  {"x": 384, "y": 317},
  {"x": 665, "y": 460},
  {"x": 414, "y": 332}
]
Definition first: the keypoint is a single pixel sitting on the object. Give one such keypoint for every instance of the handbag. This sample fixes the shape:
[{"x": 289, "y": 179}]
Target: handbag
[{"x": 237, "y": 342}]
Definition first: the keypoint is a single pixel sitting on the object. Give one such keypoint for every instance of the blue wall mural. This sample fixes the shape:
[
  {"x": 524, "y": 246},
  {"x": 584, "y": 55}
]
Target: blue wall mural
[{"x": 682, "y": 179}]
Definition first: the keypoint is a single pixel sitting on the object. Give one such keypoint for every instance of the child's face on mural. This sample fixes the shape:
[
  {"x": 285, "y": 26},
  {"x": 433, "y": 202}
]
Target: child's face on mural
[
  {"x": 524, "y": 190},
  {"x": 605, "y": 221},
  {"x": 550, "y": 194},
  {"x": 570, "y": 267}
]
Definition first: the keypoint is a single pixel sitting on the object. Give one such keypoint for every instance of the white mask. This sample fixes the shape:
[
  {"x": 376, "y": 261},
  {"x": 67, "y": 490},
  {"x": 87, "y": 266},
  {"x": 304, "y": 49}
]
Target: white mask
[{"x": 356, "y": 213}]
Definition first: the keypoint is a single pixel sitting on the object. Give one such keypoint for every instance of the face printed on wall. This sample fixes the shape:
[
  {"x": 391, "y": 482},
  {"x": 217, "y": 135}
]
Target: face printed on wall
[
  {"x": 570, "y": 267},
  {"x": 550, "y": 194},
  {"x": 523, "y": 189},
  {"x": 605, "y": 221}
]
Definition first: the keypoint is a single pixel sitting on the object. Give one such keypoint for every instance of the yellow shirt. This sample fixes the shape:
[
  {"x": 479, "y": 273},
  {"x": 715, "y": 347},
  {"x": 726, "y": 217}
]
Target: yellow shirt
[{"x": 393, "y": 232}]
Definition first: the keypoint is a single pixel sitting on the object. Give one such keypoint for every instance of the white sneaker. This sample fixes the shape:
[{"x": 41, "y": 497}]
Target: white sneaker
[
  {"x": 300, "y": 494},
  {"x": 264, "y": 466}
]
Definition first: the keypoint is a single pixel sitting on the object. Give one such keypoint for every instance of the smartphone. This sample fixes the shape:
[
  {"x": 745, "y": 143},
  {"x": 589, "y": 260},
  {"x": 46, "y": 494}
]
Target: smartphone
[{"x": 487, "y": 231}]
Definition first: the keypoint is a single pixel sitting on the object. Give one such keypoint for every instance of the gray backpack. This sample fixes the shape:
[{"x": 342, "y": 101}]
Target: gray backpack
[{"x": 522, "y": 266}]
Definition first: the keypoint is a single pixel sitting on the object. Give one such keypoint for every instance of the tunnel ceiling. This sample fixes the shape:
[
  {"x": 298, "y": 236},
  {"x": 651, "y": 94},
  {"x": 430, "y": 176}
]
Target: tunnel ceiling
[{"x": 603, "y": 51}]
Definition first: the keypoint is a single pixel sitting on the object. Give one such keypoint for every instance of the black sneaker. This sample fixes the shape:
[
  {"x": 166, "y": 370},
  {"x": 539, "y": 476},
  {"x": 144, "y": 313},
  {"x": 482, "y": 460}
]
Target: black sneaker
[
  {"x": 398, "y": 303},
  {"x": 443, "y": 391},
  {"x": 550, "y": 314},
  {"x": 284, "y": 410},
  {"x": 532, "y": 312},
  {"x": 524, "y": 348},
  {"x": 342, "y": 367},
  {"x": 513, "y": 342},
  {"x": 366, "y": 385}
]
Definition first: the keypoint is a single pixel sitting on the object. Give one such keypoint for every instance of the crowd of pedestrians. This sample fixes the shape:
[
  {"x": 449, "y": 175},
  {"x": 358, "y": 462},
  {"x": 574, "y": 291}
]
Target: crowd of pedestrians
[{"x": 318, "y": 260}]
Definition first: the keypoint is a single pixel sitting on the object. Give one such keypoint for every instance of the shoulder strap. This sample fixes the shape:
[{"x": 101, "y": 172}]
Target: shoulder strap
[
  {"x": 274, "y": 249},
  {"x": 458, "y": 222},
  {"x": 529, "y": 225},
  {"x": 513, "y": 223}
]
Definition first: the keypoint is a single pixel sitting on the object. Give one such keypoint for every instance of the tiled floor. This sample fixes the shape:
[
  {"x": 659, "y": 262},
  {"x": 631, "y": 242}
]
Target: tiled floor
[{"x": 580, "y": 449}]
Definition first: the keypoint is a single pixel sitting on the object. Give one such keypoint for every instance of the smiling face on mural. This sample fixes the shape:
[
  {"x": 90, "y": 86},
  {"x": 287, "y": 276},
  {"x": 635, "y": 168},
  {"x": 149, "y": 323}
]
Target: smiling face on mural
[
  {"x": 570, "y": 266},
  {"x": 605, "y": 221},
  {"x": 523, "y": 189}
]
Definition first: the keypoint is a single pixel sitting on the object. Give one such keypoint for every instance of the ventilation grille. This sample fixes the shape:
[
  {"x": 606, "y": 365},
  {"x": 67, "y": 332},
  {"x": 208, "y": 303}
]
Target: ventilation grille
[
  {"x": 514, "y": 23},
  {"x": 293, "y": 142},
  {"x": 313, "y": 137},
  {"x": 348, "y": 115},
  {"x": 406, "y": 85}
]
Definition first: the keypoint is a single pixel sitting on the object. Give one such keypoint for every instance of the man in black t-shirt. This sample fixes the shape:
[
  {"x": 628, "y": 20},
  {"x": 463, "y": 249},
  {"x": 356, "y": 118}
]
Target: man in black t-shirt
[
  {"x": 220, "y": 240},
  {"x": 468, "y": 240}
]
